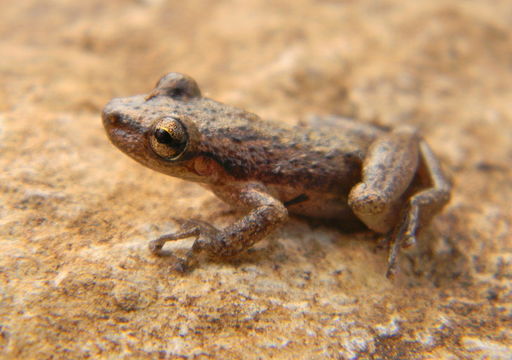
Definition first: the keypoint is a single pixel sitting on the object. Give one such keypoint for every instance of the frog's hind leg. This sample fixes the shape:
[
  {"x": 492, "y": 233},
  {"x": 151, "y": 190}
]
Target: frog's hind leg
[
  {"x": 388, "y": 170},
  {"x": 421, "y": 207}
]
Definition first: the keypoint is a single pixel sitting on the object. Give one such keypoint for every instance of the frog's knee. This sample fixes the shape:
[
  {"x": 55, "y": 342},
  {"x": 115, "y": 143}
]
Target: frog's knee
[
  {"x": 363, "y": 200},
  {"x": 372, "y": 208}
]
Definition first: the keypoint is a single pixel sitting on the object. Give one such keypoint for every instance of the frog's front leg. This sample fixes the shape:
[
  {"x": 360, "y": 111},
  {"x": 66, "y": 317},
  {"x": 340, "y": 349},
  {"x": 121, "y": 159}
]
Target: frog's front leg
[
  {"x": 265, "y": 214},
  {"x": 388, "y": 170}
]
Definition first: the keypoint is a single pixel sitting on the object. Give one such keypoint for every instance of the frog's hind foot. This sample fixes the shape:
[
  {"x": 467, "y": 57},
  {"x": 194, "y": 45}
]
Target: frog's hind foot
[
  {"x": 404, "y": 236},
  {"x": 421, "y": 206}
]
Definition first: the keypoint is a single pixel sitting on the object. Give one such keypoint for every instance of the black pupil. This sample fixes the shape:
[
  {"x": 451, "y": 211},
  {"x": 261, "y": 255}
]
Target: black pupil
[{"x": 163, "y": 137}]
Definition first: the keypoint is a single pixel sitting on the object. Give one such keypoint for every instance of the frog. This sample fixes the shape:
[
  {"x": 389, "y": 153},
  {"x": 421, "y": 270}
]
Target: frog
[{"x": 348, "y": 172}]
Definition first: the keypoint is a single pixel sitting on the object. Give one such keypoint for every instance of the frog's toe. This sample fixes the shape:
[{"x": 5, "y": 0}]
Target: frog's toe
[
  {"x": 181, "y": 266},
  {"x": 384, "y": 241},
  {"x": 408, "y": 241},
  {"x": 155, "y": 246},
  {"x": 391, "y": 271}
]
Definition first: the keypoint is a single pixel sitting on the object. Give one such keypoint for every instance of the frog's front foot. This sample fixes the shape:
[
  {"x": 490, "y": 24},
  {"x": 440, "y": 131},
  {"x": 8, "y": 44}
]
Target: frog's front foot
[
  {"x": 203, "y": 233},
  {"x": 266, "y": 213}
]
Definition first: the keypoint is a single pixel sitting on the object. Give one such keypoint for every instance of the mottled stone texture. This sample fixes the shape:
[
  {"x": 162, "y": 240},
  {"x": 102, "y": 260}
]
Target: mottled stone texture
[{"x": 76, "y": 278}]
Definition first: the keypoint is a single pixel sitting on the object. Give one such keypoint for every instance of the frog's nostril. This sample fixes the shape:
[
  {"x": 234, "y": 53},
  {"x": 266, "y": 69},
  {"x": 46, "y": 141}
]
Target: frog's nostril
[
  {"x": 111, "y": 118},
  {"x": 115, "y": 118}
]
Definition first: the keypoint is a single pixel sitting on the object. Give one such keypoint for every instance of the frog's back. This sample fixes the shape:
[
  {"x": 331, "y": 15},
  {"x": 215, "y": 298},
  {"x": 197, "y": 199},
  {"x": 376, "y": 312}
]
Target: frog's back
[
  {"x": 249, "y": 148},
  {"x": 310, "y": 171}
]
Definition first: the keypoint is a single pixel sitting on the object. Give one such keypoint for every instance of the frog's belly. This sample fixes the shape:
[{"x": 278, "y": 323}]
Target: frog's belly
[
  {"x": 317, "y": 205},
  {"x": 323, "y": 209}
]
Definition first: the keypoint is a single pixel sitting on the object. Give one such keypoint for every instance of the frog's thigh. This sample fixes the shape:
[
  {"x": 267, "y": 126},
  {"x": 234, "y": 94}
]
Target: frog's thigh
[{"x": 387, "y": 172}]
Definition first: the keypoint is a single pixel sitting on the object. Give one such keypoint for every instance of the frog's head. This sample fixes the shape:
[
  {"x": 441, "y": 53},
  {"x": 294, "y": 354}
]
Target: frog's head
[{"x": 157, "y": 130}]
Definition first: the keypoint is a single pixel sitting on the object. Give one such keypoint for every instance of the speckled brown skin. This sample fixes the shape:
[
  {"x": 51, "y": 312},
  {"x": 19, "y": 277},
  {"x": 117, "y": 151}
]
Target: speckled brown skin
[{"x": 389, "y": 180}]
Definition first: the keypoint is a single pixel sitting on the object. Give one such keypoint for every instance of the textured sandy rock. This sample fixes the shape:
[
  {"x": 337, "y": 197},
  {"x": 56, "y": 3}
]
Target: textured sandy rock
[{"x": 76, "y": 278}]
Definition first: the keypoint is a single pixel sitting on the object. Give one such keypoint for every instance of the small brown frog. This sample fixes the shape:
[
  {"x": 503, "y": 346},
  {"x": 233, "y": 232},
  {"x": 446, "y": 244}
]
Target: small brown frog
[{"x": 347, "y": 172}]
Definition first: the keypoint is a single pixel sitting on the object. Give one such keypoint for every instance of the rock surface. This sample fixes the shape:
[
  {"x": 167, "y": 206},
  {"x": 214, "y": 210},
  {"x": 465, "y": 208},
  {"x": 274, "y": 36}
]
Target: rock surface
[{"x": 76, "y": 278}]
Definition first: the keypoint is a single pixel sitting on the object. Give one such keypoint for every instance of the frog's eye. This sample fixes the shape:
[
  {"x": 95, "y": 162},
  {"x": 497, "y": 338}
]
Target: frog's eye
[
  {"x": 177, "y": 86},
  {"x": 169, "y": 138}
]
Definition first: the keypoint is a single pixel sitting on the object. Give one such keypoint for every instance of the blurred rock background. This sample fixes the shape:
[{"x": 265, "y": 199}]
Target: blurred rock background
[{"x": 76, "y": 278}]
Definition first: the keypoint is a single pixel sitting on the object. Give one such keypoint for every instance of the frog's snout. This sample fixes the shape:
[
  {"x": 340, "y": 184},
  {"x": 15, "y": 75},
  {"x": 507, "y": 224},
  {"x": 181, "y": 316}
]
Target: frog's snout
[
  {"x": 118, "y": 125},
  {"x": 123, "y": 128},
  {"x": 111, "y": 118}
]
